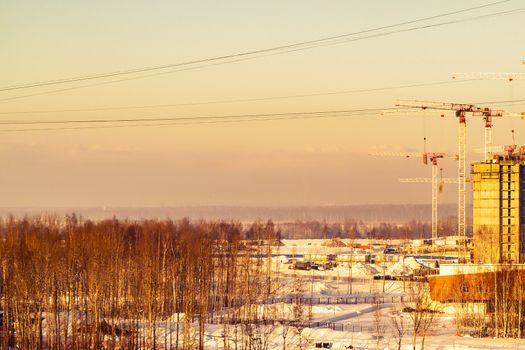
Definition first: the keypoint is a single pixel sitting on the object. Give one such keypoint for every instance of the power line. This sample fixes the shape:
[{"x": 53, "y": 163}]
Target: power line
[
  {"x": 499, "y": 102},
  {"x": 504, "y": 13},
  {"x": 271, "y": 98},
  {"x": 185, "y": 123},
  {"x": 240, "y": 54},
  {"x": 257, "y": 99},
  {"x": 235, "y": 116},
  {"x": 132, "y": 120},
  {"x": 123, "y": 123}
]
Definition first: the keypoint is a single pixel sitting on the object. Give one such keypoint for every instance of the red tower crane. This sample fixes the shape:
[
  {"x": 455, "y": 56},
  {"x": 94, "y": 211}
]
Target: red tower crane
[
  {"x": 461, "y": 111},
  {"x": 436, "y": 186}
]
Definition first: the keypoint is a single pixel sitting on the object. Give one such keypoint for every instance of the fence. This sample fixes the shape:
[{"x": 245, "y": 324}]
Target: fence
[
  {"x": 335, "y": 326},
  {"x": 341, "y": 300},
  {"x": 350, "y": 300},
  {"x": 330, "y": 277}
]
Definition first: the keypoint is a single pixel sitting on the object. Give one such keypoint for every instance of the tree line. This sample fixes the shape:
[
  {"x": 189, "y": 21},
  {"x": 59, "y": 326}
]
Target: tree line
[
  {"x": 68, "y": 283},
  {"x": 355, "y": 229}
]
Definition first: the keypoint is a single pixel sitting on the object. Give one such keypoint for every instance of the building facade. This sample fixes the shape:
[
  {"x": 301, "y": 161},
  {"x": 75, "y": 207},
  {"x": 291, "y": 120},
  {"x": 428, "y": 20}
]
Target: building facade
[
  {"x": 499, "y": 208},
  {"x": 504, "y": 282}
]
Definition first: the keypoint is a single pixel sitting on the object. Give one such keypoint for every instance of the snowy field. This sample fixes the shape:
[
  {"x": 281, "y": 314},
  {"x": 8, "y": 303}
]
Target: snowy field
[
  {"x": 362, "y": 330},
  {"x": 332, "y": 319},
  {"x": 345, "y": 308},
  {"x": 366, "y": 326},
  {"x": 442, "y": 337}
]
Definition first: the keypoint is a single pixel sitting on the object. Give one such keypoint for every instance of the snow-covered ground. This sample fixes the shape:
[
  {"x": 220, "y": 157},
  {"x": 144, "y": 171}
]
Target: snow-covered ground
[
  {"x": 361, "y": 330},
  {"x": 359, "y": 323},
  {"x": 362, "y": 325}
]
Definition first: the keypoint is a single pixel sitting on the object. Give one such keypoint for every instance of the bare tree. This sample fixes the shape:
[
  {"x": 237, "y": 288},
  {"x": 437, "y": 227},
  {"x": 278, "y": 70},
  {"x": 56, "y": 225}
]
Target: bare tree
[
  {"x": 378, "y": 325},
  {"x": 68, "y": 283},
  {"x": 422, "y": 312},
  {"x": 398, "y": 321}
]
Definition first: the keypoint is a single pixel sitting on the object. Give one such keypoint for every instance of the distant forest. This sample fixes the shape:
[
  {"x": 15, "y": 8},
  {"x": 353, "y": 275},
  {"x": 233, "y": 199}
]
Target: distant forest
[
  {"x": 369, "y": 214},
  {"x": 309, "y": 222},
  {"x": 358, "y": 229}
]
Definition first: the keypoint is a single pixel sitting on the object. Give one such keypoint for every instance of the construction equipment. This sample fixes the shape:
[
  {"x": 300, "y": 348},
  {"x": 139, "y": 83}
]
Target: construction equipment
[
  {"x": 422, "y": 155},
  {"x": 492, "y": 76},
  {"x": 489, "y": 76},
  {"x": 461, "y": 111},
  {"x": 436, "y": 186}
]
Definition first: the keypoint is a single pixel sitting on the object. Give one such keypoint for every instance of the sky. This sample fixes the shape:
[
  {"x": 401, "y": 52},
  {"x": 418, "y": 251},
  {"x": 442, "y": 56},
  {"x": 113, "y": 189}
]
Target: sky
[{"x": 274, "y": 163}]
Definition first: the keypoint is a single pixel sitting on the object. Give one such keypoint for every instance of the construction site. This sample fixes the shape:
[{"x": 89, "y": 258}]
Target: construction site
[
  {"x": 237, "y": 175},
  {"x": 486, "y": 273}
]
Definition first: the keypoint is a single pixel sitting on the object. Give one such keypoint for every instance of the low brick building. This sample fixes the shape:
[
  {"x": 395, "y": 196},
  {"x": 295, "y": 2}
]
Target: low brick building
[{"x": 507, "y": 280}]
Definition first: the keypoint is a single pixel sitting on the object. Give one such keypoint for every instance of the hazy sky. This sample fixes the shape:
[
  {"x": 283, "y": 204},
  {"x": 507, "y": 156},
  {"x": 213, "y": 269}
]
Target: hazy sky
[{"x": 291, "y": 162}]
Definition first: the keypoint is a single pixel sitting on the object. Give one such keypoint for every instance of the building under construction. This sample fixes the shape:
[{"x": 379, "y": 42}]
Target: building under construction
[{"x": 499, "y": 207}]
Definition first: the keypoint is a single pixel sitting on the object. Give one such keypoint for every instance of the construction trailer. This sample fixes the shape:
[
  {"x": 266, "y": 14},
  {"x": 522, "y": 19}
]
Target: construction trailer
[
  {"x": 387, "y": 258},
  {"x": 354, "y": 258},
  {"x": 499, "y": 208},
  {"x": 420, "y": 243},
  {"x": 320, "y": 261},
  {"x": 320, "y": 258},
  {"x": 300, "y": 265},
  {"x": 450, "y": 241},
  {"x": 436, "y": 260}
]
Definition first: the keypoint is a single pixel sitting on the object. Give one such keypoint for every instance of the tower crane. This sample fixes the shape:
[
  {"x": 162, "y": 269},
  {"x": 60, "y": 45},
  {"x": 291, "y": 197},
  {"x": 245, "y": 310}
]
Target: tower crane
[
  {"x": 461, "y": 111},
  {"x": 436, "y": 186},
  {"x": 489, "y": 76}
]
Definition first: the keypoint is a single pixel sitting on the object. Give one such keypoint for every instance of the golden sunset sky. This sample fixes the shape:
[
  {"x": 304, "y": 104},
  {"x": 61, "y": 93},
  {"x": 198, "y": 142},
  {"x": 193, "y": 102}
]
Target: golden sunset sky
[{"x": 280, "y": 162}]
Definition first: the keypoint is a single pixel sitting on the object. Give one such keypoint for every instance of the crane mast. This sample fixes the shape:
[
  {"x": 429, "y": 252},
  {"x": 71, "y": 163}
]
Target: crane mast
[
  {"x": 434, "y": 202},
  {"x": 462, "y": 145},
  {"x": 488, "y": 137},
  {"x": 437, "y": 187}
]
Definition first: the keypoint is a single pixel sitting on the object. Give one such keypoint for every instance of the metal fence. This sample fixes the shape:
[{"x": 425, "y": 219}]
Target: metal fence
[
  {"x": 336, "y": 326},
  {"x": 382, "y": 299}
]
